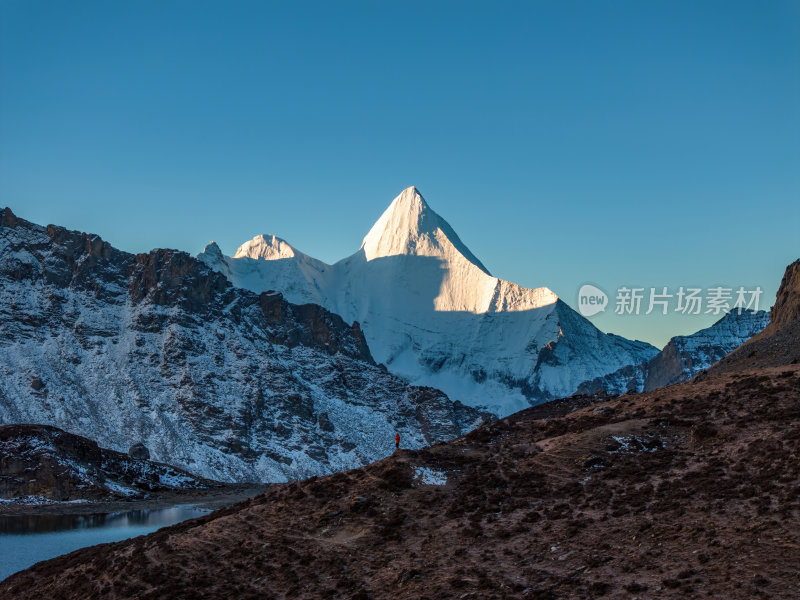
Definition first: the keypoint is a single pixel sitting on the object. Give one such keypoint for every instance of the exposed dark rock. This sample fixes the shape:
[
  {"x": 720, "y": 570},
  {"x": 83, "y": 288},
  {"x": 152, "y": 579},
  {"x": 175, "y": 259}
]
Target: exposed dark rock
[
  {"x": 786, "y": 309},
  {"x": 684, "y": 356},
  {"x": 777, "y": 344},
  {"x": 45, "y": 463},
  {"x": 139, "y": 451}
]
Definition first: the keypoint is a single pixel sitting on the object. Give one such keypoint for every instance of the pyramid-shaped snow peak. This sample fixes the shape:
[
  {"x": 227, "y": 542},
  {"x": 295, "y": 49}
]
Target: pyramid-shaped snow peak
[
  {"x": 410, "y": 227},
  {"x": 433, "y": 313}
]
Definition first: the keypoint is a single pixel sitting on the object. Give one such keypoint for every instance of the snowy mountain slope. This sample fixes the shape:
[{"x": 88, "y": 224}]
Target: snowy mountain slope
[
  {"x": 223, "y": 382},
  {"x": 432, "y": 312},
  {"x": 684, "y": 356}
]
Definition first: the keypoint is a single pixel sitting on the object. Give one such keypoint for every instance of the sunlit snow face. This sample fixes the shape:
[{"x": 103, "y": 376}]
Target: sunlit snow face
[{"x": 432, "y": 312}]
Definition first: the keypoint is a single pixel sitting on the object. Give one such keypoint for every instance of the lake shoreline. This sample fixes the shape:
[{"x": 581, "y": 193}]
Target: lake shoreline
[{"x": 213, "y": 499}]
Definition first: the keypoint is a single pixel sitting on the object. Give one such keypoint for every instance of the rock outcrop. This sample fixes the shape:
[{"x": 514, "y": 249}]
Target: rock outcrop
[
  {"x": 39, "y": 463},
  {"x": 139, "y": 451},
  {"x": 786, "y": 309},
  {"x": 778, "y": 343}
]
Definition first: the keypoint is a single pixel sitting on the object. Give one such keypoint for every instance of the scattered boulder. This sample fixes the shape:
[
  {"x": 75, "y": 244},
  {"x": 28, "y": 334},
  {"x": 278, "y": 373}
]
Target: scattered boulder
[
  {"x": 139, "y": 452},
  {"x": 603, "y": 411},
  {"x": 324, "y": 422}
]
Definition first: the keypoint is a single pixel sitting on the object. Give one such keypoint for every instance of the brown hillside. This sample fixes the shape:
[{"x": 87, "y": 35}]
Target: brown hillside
[{"x": 690, "y": 491}]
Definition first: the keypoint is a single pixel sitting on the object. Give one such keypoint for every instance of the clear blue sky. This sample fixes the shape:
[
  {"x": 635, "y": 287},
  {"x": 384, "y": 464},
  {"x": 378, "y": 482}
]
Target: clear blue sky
[{"x": 639, "y": 143}]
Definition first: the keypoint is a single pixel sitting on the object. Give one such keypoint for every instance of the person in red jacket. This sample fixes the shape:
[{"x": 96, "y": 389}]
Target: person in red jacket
[{"x": 397, "y": 441}]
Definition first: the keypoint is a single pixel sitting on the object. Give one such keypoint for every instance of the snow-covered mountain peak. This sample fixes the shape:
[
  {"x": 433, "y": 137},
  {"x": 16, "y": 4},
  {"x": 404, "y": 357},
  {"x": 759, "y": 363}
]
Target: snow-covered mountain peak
[
  {"x": 213, "y": 250},
  {"x": 410, "y": 227},
  {"x": 431, "y": 312},
  {"x": 265, "y": 247}
]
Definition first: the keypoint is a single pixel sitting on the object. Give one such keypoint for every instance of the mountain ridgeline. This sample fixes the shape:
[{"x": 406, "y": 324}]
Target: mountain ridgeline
[
  {"x": 259, "y": 367},
  {"x": 42, "y": 464},
  {"x": 159, "y": 349},
  {"x": 777, "y": 343},
  {"x": 684, "y": 356}
]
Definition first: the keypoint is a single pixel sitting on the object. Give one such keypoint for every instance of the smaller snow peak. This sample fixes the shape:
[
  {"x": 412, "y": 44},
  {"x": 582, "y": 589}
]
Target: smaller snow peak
[
  {"x": 212, "y": 250},
  {"x": 212, "y": 256},
  {"x": 265, "y": 247}
]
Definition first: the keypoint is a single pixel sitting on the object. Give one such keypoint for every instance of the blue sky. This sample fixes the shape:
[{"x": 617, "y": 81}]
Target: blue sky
[{"x": 617, "y": 143}]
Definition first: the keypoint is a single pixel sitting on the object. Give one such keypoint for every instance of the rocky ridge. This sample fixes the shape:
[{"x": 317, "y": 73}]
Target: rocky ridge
[
  {"x": 777, "y": 344},
  {"x": 684, "y": 356},
  {"x": 689, "y": 491},
  {"x": 223, "y": 382},
  {"x": 41, "y": 464}
]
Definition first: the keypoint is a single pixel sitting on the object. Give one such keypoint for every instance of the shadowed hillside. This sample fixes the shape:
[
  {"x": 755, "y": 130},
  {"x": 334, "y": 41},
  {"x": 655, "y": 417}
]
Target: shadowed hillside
[
  {"x": 691, "y": 490},
  {"x": 687, "y": 491}
]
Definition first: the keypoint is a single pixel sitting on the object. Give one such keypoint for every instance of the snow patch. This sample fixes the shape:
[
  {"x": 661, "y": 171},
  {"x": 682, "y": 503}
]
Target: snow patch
[
  {"x": 430, "y": 476},
  {"x": 120, "y": 488},
  {"x": 633, "y": 444}
]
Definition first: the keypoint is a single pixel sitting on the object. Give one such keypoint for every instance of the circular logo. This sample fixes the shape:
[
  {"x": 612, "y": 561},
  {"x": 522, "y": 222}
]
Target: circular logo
[{"x": 591, "y": 300}]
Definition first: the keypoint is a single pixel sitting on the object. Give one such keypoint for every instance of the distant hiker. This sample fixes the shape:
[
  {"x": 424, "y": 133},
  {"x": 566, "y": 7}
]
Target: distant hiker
[{"x": 397, "y": 441}]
